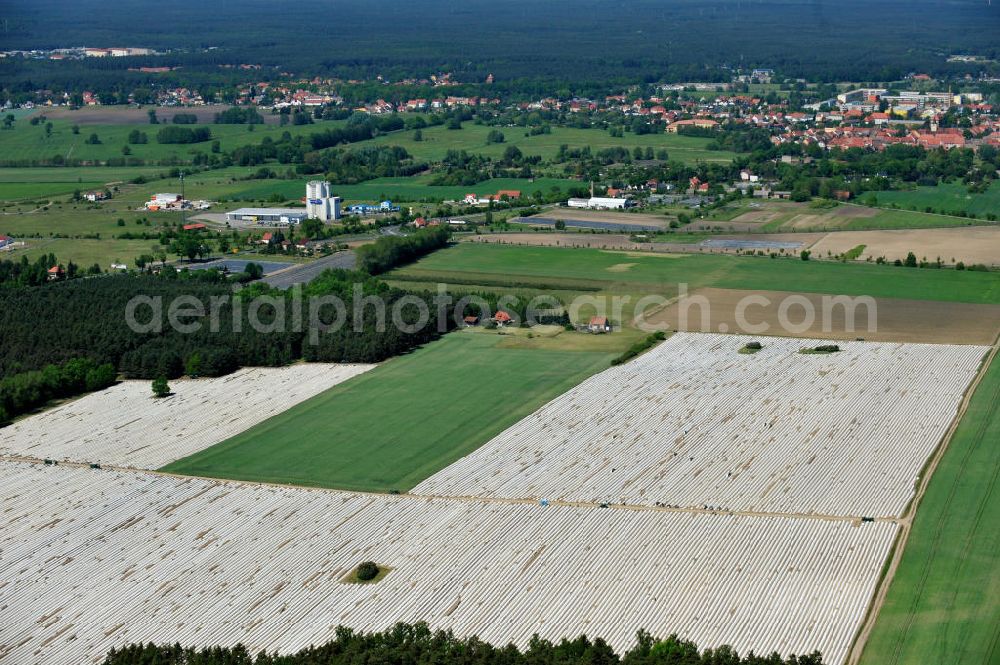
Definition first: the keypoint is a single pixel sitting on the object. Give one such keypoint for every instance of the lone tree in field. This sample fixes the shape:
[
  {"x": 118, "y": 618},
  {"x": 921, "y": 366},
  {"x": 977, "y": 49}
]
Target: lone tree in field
[
  {"x": 160, "y": 387},
  {"x": 367, "y": 571}
]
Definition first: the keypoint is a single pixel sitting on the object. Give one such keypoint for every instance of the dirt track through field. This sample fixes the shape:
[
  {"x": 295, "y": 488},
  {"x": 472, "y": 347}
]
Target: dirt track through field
[
  {"x": 895, "y": 320},
  {"x": 484, "y": 500}
]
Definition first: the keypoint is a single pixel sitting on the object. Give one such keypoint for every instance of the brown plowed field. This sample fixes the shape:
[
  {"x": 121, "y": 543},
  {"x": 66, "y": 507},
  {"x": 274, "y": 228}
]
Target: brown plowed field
[{"x": 894, "y": 321}]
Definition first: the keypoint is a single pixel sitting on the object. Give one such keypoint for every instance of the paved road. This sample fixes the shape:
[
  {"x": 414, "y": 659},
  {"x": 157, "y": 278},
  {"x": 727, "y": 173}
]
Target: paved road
[
  {"x": 305, "y": 272},
  {"x": 238, "y": 265},
  {"x": 586, "y": 224}
]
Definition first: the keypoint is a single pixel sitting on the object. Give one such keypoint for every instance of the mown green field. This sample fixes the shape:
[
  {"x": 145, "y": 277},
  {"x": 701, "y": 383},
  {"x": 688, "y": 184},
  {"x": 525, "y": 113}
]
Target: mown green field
[
  {"x": 948, "y": 198},
  {"x": 78, "y": 174},
  {"x": 906, "y": 219},
  {"x": 487, "y": 263},
  {"x": 28, "y": 141},
  {"x": 415, "y": 189},
  {"x": 13, "y": 191},
  {"x": 81, "y": 219},
  {"x": 44, "y": 184},
  {"x": 401, "y": 422},
  {"x": 472, "y": 138},
  {"x": 85, "y": 253},
  {"x": 943, "y": 605}
]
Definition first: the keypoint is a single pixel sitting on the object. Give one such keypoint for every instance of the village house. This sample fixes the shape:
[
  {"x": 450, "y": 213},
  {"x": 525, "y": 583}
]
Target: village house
[{"x": 599, "y": 325}]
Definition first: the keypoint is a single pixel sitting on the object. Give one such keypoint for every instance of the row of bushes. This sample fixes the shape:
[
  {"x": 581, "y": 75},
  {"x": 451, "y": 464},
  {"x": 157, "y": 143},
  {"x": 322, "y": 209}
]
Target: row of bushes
[
  {"x": 391, "y": 252},
  {"x": 640, "y": 347}
]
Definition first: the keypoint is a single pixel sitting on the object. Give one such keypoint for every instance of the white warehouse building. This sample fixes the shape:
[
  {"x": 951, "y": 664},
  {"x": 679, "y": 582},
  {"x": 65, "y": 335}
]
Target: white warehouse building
[
  {"x": 600, "y": 203},
  {"x": 319, "y": 202}
]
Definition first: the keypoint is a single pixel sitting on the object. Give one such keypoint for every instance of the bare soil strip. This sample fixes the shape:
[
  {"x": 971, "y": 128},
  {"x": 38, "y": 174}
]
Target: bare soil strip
[
  {"x": 971, "y": 244},
  {"x": 896, "y": 320}
]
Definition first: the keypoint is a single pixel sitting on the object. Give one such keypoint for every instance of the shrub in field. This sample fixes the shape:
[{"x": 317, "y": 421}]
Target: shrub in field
[
  {"x": 639, "y": 347},
  {"x": 176, "y": 134},
  {"x": 160, "y": 387},
  {"x": 367, "y": 571},
  {"x": 822, "y": 348}
]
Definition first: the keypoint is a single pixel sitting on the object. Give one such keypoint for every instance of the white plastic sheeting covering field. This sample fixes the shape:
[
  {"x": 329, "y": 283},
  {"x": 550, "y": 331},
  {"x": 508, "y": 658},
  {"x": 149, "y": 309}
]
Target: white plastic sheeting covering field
[
  {"x": 90, "y": 559},
  {"x": 126, "y": 426},
  {"x": 695, "y": 423}
]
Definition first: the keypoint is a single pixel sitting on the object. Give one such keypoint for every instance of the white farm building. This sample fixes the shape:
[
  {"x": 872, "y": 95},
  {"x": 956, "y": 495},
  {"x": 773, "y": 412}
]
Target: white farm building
[
  {"x": 283, "y": 216},
  {"x": 320, "y": 204},
  {"x": 601, "y": 203}
]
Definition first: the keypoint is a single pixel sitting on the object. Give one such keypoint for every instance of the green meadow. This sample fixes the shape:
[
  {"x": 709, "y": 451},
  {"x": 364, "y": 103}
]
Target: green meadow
[
  {"x": 28, "y": 141},
  {"x": 438, "y": 140},
  {"x": 943, "y": 604},
  {"x": 403, "y": 421},
  {"x": 948, "y": 198},
  {"x": 487, "y": 263}
]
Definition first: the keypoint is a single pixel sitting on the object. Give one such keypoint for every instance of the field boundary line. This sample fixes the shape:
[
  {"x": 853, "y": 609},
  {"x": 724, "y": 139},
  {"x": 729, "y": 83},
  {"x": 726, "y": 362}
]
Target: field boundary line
[
  {"x": 906, "y": 520},
  {"x": 487, "y": 500}
]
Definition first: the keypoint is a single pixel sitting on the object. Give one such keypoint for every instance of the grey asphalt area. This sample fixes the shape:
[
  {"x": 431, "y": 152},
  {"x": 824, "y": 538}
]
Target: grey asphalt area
[
  {"x": 305, "y": 272},
  {"x": 586, "y": 224}
]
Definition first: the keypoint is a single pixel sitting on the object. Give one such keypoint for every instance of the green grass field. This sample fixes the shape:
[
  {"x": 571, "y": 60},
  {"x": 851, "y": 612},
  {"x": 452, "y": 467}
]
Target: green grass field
[
  {"x": 74, "y": 220},
  {"x": 19, "y": 184},
  {"x": 13, "y": 191},
  {"x": 28, "y": 141},
  {"x": 401, "y": 422},
  {"x": 487, "y": 264},
  {"x": 85, "y": 253},
  {"x": 948, "y": 198},
  {"x": 78, "y": 174},
  {"x": 944, "y": 602},
  {"x": 472, "y": 138},
  {"x": 415, "y": 189},
  {"x": 906, "y": 219}
]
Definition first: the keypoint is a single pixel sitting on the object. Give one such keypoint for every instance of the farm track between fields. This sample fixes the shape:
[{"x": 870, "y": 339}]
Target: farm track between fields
[{"x": 469, "y": 499}]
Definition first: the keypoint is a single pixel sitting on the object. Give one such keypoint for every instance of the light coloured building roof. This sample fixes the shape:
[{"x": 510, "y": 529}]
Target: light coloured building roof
[{"x": 270, "y": 211}]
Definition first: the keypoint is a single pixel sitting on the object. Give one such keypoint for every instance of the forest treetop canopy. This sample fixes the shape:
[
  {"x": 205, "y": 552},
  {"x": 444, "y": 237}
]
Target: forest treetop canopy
[{"x": 567, "y": 40}]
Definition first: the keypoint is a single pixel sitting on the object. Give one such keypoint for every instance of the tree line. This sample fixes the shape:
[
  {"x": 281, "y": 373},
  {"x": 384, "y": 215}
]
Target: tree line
[
  {"x": 58, "y": 323},
  {"x": 416, "y": 644},
  {"x": 390, "y": 252},
  {"x": 24, "y": 391}
]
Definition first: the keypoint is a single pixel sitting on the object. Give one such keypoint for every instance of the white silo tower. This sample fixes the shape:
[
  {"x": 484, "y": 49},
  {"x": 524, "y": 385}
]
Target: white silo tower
[{"x": 319, "y": 203}]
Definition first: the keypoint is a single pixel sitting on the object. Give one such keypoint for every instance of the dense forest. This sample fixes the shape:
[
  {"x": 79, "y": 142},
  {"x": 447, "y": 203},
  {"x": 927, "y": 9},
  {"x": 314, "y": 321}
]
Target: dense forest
[
  {"x": 531, "y": 48},
  {"x": 417, "y": 645},
  {"x": 47, "y": 331},
  {"x": 87, "y": 318}
]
